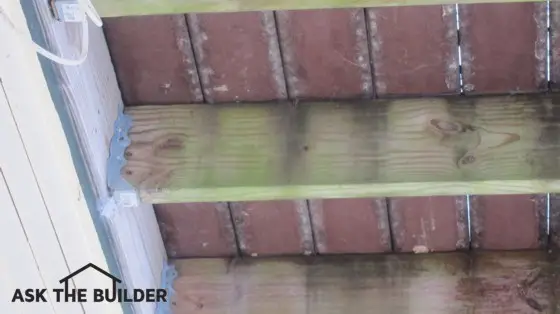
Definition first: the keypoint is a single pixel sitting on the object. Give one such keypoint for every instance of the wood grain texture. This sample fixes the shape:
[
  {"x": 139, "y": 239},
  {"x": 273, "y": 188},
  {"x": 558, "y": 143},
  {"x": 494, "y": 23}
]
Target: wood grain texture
[
  {"x": 90, "y": 91},
  {"x": 508, "y": 222},
  {"x": 554, "y": 220},
  {"x": 148, "y": 7},
  {"x": 91, "y": 96},
  {"x": 325, "y": 53},
  {"x": 429, "y": 224},
  {"x": 238, "y": 56},
  {"x": 197, "y": 230},
  {"x": 555, "y": 45},
  {"x": 414, "y": 50},
  {"x": 21, "y": 262},
  {"x": 350, "y": 225},
  {"x": 138, "y": 247},
  {"x": 514, "y": 282},
  {"x": 273, "y": 228},
  {"x": 158, "y": 70},
  {"x": 502, "y": 56},
  {"x": 496, "y": 145},
  {"x": 41, "y": 178},
  {"x": 31, "y": 249},
  {"x": 496, "y": 61}
]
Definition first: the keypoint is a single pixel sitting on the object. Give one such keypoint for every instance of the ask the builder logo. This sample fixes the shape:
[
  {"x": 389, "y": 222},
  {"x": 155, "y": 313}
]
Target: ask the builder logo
[{"x": 114, "y": 294}]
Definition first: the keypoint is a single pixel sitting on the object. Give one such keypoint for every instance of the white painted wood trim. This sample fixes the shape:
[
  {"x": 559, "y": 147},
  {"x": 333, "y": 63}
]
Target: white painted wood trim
[
  {"x": 38, "y": 168},
  {"x": 94, "y": 101},
  {"x": 44, "y": 183},
  {"x": 138, "y": 247},
  {"x": 18, "y": 260}
]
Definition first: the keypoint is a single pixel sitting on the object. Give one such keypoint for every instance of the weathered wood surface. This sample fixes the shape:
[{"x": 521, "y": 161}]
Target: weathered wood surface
[
  {"x": 273, "y": 228},
  {"x": 505, "y": 222},
  {"x": 555, "y": 45},
  {"x": 414, "y": 50},
  {"x": 495, "y": 60},
  {"x": 508, "y": 222},
  {"x": 91, "y": 96},
  {"x": 325, "y": 54},
  {"x": 238, "y": 56},
  {"x": 359, "y": 225},
  {"x": 514, "y": 282},
  {"x": 147, "y": 7},
  {"x": 153, "y": 58},
  {"x": 554, "y": 231},
  {"x": 197, "y": 229},
  {"x": 429, "y": 224},
  {"x": 50, "y": 226},
  {"x": 497, "y": 145}
]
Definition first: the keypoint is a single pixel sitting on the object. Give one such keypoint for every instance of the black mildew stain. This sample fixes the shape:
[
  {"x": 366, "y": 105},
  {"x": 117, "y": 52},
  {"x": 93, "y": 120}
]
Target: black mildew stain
[
  {"x": 294, "y": 124},
  {"x": 546, "y": 159}
]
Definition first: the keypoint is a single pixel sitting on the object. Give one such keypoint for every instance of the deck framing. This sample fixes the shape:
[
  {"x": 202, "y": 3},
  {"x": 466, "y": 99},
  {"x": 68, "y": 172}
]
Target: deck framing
[
  {"x": 406, "y": 147},
  {"x": 110, "y": 8},
  {"x": 56, "y": 125},
  {"x": 438, "y": 283}
]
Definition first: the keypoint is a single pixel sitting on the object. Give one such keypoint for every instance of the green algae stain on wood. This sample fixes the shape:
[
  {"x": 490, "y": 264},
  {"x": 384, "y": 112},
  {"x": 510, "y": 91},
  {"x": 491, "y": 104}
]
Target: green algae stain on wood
[
  {"x": 490, "y": 282},
  {"x": 243, "y": 136},
  {"x": 338, "y": 149}
]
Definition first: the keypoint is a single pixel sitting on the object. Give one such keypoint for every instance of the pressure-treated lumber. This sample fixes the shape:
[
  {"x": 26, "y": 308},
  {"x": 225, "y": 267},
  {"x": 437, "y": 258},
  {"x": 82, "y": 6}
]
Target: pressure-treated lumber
[
  {"x": 495, "y": 145},
  {"x": 513, "y": 282},
  {"x": 109, "y": 8}
]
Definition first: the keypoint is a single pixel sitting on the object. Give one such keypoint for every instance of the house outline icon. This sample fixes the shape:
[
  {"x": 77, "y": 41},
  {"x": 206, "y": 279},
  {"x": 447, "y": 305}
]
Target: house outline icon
[{"x": 89, "y": 265}]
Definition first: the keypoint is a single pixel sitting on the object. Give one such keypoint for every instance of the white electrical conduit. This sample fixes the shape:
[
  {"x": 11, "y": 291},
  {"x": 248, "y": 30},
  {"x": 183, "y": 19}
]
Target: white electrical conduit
[{"x": 87, "y": 10}]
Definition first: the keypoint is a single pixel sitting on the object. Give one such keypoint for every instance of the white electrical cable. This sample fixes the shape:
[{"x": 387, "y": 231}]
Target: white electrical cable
[
  {"x": 86, "y": 10},
  {"x": 91, "y": 12},
  {"x": 65, "y": 61}
]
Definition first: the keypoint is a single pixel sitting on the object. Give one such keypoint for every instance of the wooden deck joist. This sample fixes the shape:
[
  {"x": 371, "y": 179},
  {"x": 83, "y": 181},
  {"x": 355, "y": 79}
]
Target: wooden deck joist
[
  {"x": 109, "y": 8},
  {"x": 512, "y": 282},
  {"x": 234, "y": 152}
]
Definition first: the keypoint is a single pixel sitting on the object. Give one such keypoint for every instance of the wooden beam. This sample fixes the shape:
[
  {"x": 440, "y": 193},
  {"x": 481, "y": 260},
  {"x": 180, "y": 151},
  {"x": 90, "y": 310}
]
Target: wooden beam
[
  {"x": 108, "y": 8},
  {"x": 453, "y": 146},
  {"x": 90, "y": 96},
  {"x": 512, "y": 282},
  {"x": 43, "y": 198}
]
